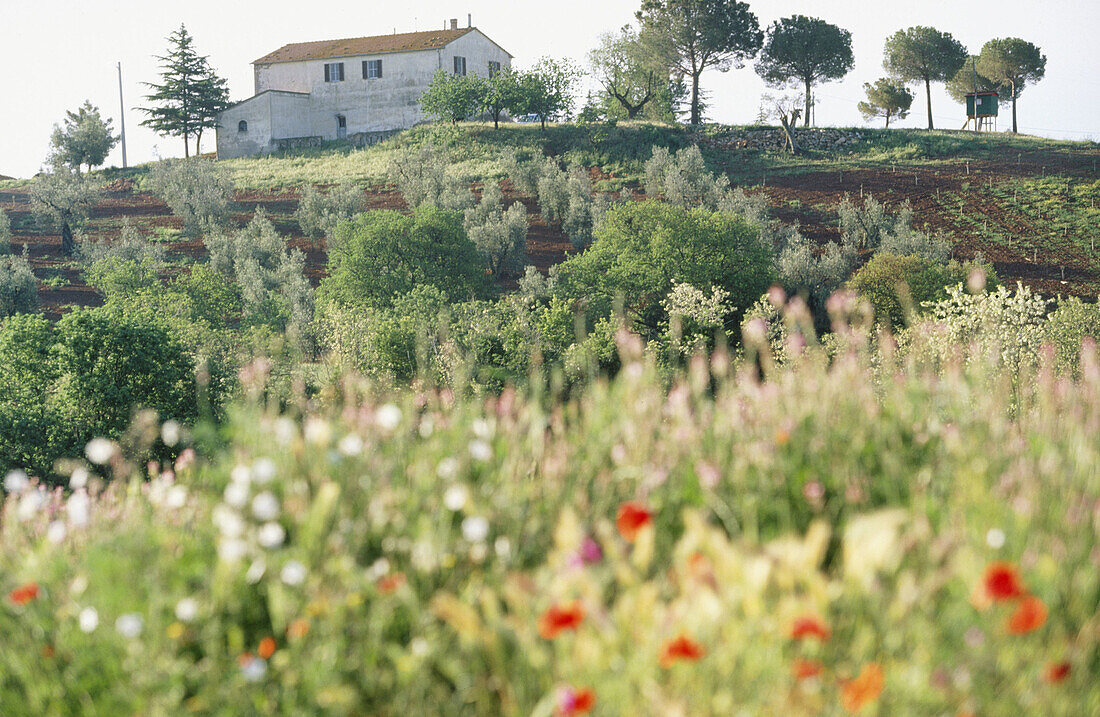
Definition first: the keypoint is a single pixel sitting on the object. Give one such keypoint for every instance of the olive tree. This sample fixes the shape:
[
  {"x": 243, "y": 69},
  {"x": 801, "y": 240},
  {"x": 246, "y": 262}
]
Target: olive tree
[
  {"x": 64, "y": 197},
  {"x": 83, "y": 138}
]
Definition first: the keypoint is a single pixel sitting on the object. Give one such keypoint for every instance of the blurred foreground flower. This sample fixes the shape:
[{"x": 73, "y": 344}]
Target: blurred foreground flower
[
  {"x": 24, "y": 594},
  {"x": 1030, "y": 614},
  {"x": 681, "y": 647},
  {"x": 1002, "y": 582},
  {"x": 808, "y": 626},
  {"x": 631, "y": 519},
  {"x": 1056, "y": 672},
  {"x": 576, "y": 701},
  {"x": 863, "y": 690},
  {"x": 803, "y": 669},
  {"x": 559, "y": 618}
]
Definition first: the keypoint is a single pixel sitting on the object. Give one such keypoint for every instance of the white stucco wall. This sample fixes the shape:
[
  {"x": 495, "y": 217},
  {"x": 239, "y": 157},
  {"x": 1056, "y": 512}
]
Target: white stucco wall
[
  {"x": 368, "y": 105},
  {"x": 269, "y": 115}
]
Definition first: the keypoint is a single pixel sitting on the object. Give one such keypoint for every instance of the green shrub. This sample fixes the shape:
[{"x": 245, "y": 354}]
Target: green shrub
[
  {"x": 1068, "y": 326},
  {"x": 897, "y": 286},
  {"x": 383, "y": 254},
  {"x": 18, "y": 286},
  {"x": 129, "y": 264},
  {"x": 642, "y": 248},
  {"x": 5, "y": 233},
  {"x": 682, "y": 178}
]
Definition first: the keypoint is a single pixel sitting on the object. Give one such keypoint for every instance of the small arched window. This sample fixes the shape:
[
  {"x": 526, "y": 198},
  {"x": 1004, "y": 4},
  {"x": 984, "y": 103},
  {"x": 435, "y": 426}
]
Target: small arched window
[{"x": 242, "y": 126}]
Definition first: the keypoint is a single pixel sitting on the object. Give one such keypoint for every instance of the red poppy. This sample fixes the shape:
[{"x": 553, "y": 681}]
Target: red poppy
[
  {"x": 1056, "y": 672},
  {"x": 681, "y": 647},
  {"x": 389, "y": 583},
  {"x": 809, "y": 626},
  {"x": 863, "y": 690},
  {"x": 24, "y": 594},
  {"x": 632, "y": 518},
  {"x": 804, "y": 669},
  {"x": 1029, "y": 615},
  {"x": 559, "y": 618},
  {"x": 576, "y": 702},
  {"x": 1002, "y": 582},
  {"x": 266, "y": 648}
]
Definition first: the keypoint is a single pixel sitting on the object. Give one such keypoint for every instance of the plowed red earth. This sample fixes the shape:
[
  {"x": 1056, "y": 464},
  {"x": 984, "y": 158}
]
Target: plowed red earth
[{"x": 1063, "y": 265}]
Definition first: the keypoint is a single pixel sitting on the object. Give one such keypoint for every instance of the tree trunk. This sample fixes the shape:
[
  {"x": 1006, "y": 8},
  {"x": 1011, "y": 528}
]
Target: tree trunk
[
  {"x": 928, "y": 95},
  {"x": 809, "y": 103},
  {"x": 198, "y": 144},
  {"x": 887, "y": 121},
  {"x": 67, "y": 244},
  {"x": 1013, "y": 108},
  {"x": 186, "y": 147},
  {"x": 695, "y": 98}
]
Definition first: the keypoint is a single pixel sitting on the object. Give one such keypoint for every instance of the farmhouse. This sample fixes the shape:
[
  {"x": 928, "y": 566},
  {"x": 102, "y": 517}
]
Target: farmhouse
[{"x": 360, "y": 89}]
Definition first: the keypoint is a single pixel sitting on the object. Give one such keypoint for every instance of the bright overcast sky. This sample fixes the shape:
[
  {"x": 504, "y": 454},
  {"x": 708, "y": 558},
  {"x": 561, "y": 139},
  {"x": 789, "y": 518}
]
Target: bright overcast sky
[{"x": 54, "y": 54}]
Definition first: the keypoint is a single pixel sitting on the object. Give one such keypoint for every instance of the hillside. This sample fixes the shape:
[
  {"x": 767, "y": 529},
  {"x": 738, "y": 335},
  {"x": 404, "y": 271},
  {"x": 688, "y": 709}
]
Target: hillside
[{"x": 1026, "y": 204}]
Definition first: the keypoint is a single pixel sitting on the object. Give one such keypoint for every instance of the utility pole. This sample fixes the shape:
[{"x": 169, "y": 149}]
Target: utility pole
[{"x": 122, "y": 115}]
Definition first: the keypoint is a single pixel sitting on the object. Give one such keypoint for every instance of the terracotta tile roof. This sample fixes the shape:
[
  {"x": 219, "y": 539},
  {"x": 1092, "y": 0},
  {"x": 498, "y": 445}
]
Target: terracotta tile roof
[{"x": 404, "y": 42}]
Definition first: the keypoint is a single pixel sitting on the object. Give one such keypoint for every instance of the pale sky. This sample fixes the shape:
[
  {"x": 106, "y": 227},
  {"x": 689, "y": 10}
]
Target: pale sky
[{"x": 54, "y": 54}]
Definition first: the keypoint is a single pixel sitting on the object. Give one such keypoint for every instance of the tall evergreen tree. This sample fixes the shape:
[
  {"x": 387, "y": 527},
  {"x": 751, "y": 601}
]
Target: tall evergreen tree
[{"x": 190, "y": 94}]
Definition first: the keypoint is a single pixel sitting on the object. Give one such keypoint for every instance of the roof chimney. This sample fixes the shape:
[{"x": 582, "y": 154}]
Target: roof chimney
[
  {"x": 454, "y": 23},
  {"x": 469, "y": 19}
]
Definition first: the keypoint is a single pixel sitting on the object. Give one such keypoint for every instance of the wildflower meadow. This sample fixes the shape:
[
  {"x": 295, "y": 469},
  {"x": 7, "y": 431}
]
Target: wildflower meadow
[{"x": 840, "y": 532}]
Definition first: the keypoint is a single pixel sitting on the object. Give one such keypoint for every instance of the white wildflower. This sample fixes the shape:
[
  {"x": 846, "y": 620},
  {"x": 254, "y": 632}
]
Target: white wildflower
[
  {"x": 254, "y": 669},
  {"x": 995, "y": 538},
  {"x": 16, "y": 481},
  {"x": 100, "y": 450},
  {"x": 293, "y": 573},
  {"x": 29, "y": 505},
  {"x": 475, "y": 529},
  {"x": 350, "y": 445},
  {"x": 447, "y": 468},
  {"x": 89, "y": 619},
  {"x": 187, "y": 609},
  {"x": 378, "y": 568},
  {"x": 129, "y": 625},
  {"x": 263, "y": 470},
  {"x": 317, "y": 431},
  {"x": 77, "y": 508},
  {"x": 388, "y": 417},
  {"x": 55, "y": 533},
  {"x": 176, "y": 497},
  {"x": 228, "y": 521},
  {"x": 456, "y": 496},
  {"x": 170, "y": 433},
  {"x": 241, "y": 474},
  {"x": 480, "y": 450},
  {"x": 503, "y": 547},
  {"x": 230, "y": 550},
  {"x": 271, "y": 535},
  {"x": 79, "y": 478},
  {"x": 419, "y": 647},
  {"x": 285, "y": 430},
  {"x": 265, "y": 506},
  {"x": 236, "y": 494}
]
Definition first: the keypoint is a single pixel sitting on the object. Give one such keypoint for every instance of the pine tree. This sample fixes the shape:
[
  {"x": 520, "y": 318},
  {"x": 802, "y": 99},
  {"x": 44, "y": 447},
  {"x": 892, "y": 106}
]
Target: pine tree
[{"x": 190, "y": 95}]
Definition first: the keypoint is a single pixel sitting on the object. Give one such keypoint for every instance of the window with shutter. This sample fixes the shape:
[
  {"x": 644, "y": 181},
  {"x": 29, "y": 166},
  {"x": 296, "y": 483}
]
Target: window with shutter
[
  {"x": 372, "y": 69},
  {"x": 494, "y": 69},
  {"x": 460, "y": 65},
  {"x": 334, "y": 71}
]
